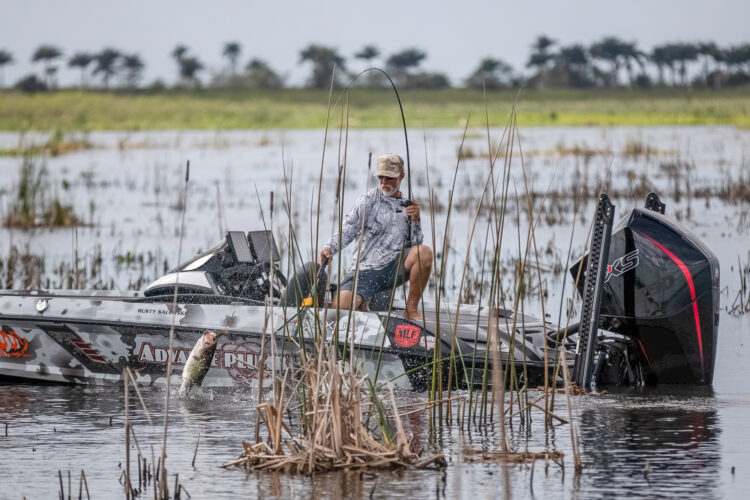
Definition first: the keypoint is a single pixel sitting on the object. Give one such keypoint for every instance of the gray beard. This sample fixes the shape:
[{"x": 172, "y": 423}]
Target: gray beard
[{"x": 389, "y": 192}]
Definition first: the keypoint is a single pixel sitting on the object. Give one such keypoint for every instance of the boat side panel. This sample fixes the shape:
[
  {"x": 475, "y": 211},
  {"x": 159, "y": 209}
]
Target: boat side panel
[{"x": 96, "y": 353}]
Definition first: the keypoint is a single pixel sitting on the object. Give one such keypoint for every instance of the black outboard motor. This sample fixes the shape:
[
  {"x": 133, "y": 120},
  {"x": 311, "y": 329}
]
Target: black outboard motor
[{"x": 661, "y": 289}]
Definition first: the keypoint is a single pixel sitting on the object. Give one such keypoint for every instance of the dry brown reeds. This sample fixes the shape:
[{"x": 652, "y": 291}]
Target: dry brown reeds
[{"x": 337, "y": 435}]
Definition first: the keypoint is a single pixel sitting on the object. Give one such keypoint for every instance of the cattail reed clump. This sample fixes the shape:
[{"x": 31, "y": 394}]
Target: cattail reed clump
[
  {"x": 337, "y": 431},
  {"x": 33, "y": 204}
]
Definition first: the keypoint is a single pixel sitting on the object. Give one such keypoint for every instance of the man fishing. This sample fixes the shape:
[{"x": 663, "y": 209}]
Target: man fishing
[{"x": 391, "y": 250}]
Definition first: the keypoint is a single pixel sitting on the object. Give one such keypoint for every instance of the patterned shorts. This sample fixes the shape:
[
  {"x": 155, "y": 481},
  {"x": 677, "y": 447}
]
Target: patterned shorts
[{"x": 373, "y": 281}]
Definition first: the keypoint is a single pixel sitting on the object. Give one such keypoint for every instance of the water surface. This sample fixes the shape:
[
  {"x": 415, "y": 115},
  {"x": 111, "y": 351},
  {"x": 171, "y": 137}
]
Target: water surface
[{"x": 128, "y": 189}]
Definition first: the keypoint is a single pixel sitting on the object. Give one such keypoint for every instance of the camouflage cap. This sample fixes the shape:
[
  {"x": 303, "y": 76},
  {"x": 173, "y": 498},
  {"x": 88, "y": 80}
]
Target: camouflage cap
[{"x": 390, "y": 165}]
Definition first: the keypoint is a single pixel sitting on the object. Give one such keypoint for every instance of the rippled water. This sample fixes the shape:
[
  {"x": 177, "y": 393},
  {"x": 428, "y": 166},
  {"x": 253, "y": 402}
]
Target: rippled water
[
  {"x": 691, "y": 439},
  {"x": 695, "y": 441}
]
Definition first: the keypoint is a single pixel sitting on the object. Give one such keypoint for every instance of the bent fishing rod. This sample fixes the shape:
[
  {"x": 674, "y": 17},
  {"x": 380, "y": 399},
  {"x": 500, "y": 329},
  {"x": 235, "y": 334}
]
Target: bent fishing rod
[
  {"x": 408, "y": 201},
  {"x": 403, "y": 118}
]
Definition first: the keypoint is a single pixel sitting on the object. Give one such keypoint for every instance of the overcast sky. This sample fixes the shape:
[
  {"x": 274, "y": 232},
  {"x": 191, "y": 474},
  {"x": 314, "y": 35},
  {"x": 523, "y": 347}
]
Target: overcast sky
[{"x": 455, "y": 35}]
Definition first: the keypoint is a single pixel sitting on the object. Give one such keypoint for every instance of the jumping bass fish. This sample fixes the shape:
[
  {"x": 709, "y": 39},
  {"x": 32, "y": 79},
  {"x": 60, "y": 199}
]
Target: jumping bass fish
[{"x": 199, "y": 361}]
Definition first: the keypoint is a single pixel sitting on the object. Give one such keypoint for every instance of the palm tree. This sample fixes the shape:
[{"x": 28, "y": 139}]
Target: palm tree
[
  {"x": 106, "y": 64},
  {"x": 324, "y": 60},
  {"x": 81, "y": 60},
  {"x": 745, "y": 50},
  {"x": 574, "y": 59},
  {"x": 737, "y": 56},
  {"x": 406, "y": 59},
  {"x": 707, "y": 50},
  {"x": 133, "y": 66},
  {"x": 683, "y": 54},
  {"x": 540, "y": 57},
  {"x": 612, "y": 50},
  {"x": 401, "y": 64},
  {"x": 572, "y": 55},
  {"x": 5, "y": 59},
  {"x": 372, "y": 78},
  {"x": 630, "y": 53},
  {"x": 492, "y": 74},
  {"x": 47, "y": 54},
  {"x": 367, "y": 53},
  {"x": 661, "y": 58},
  {"x": 261, "y": 76},
  {"x": 189, "y": 67},
  {"x": 232, "y": 52},
  {"x": 542, "y": 44},
  {"x": 178, "y": 54}
]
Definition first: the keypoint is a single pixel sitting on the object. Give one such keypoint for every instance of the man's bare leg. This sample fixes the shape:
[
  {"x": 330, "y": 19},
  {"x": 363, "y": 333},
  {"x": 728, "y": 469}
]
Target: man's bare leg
[
  {"x": 419, "y": 264},
  {"x": 343, "y": 300}
]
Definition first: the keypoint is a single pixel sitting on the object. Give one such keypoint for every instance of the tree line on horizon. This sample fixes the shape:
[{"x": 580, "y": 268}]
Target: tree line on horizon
[{"x": 602, "y": 64}]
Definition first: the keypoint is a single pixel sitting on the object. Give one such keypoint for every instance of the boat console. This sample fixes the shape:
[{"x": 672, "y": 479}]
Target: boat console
[{"x": 240, "y": 268}]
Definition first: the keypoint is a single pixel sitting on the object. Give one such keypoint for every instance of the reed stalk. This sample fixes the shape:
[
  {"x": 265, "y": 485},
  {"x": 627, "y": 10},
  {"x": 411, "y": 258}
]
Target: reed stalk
[
  {"x": 574, "y": 439},
  {"x": 219, "y": 211},
  {"x": 488, "y": 182},
  {"x": 476, "y": 331},
  {"x": 128, "y": 487},
  {"x": 164, "y": 486},
  {"x": 261, "y": 370},
  {"x": 270, "y": 301},
  {"x": 498, "y": 383},
  {"x": 539, "y": 272},
  {"x": 551, "y": 405},
  {"x": 140, "y": 397},
  {"x": 340, "y": 187},
  {"x": 85, "y": 484},
  {"x": 495, "y": 281},
  {"x": 436, "y": 388}
]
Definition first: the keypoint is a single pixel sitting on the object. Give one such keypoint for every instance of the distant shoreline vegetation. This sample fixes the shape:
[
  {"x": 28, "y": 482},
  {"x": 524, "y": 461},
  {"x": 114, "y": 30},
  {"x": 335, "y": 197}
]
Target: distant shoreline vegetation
[
  {"x": 217, "y": 109},
  {"x": 610, "y": 82},
  {"x": 610, "y": 63}
]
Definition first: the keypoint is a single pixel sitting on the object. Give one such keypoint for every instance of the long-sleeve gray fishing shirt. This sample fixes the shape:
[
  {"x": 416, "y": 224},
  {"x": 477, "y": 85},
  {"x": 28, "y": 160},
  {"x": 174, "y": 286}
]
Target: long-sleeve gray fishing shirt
[{"x": 385, "y": 230}]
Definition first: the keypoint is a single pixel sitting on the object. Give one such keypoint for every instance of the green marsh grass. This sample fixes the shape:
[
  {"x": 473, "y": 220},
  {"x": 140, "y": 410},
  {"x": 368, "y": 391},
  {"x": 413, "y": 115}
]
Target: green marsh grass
[{"x": 304, "y": 108}]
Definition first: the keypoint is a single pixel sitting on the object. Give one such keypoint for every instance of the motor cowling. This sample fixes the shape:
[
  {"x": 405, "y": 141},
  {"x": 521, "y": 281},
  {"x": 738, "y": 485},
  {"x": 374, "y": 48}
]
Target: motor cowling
[{"x": 662, "y": 289}]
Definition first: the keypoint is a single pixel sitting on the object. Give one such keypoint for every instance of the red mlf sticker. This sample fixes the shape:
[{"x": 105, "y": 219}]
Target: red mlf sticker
[{"x": 406, "y": 335}]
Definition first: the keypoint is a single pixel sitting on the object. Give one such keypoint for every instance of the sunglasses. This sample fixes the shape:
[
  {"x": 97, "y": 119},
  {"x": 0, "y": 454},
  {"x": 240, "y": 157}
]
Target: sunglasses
[{"x": 386, "y": 178}]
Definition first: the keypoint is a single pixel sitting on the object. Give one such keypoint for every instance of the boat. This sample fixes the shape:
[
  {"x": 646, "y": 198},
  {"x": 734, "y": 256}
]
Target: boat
[{"x": 650, "y": 292}]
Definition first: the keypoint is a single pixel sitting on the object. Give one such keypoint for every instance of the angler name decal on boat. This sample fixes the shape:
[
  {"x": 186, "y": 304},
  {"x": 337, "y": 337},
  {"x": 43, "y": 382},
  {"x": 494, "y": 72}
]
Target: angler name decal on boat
[
  {"x": 181, "y": 310},
  {"x": 12, "y": 344},
  {"x": 622, "y": 265},
  {"x": 406, "y": 335}
]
